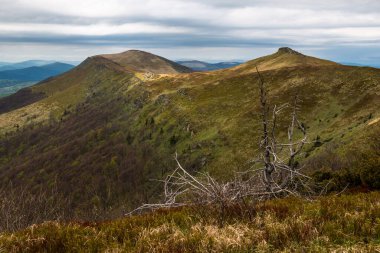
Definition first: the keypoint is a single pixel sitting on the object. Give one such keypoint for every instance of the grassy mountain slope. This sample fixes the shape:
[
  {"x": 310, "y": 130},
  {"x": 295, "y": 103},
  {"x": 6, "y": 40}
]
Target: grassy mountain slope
[
  {"x": 284, "y": 58},
  {"x": 140, "y": 61},
  {"x": 50, "y": 98},
  {"x": 103, "y": 131}
]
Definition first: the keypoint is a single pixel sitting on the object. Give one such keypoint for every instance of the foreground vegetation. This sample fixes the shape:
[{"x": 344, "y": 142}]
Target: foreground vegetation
[{"x": 347, "y": 223}]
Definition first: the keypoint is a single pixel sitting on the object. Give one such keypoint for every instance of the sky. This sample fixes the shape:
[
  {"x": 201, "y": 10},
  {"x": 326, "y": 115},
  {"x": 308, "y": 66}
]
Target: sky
[{"x": 210, "y": 30}]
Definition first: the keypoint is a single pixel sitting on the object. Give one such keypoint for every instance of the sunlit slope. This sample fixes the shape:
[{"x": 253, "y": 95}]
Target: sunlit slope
[
  {"x": 140, "y": 61},
  {"x": 337, "y": 103},
  {"x": 283, "y": 58},
  {"x": 117, "y": 132},
  {"x": 50, "y": 98},
  {"x": 69, "y": 89}
]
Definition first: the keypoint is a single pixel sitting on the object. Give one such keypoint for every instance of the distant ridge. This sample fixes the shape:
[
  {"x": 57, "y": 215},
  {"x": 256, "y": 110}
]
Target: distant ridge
[
  {"x": 360, "y": 64},
  {"x": 36, "y": 73},
  {"x": 140, "y": 61},
  {"x": 24, "y": 64},
  {"x": 205, "y": 66},
  {"x": 4, "y": 63}
]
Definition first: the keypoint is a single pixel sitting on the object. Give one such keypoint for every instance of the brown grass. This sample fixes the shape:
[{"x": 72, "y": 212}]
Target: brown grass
[{"x": 348, "y": 223}]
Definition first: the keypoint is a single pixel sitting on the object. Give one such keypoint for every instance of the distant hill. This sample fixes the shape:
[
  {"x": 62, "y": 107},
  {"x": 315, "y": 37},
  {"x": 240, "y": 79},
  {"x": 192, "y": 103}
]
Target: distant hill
[
  {"x": 24, "y": 64},
  {"x": 4, "y": 64},
  {"x": 205, "y": 66},
  {"x": 16, "y": 79},
  {"x": 140, "y": 61},
  {"x": 360, "y": 64},
  {"x": 35, "y": 73}
]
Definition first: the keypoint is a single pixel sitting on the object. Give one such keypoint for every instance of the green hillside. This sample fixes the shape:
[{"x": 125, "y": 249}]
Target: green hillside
[{"x": 103, "y": 130}]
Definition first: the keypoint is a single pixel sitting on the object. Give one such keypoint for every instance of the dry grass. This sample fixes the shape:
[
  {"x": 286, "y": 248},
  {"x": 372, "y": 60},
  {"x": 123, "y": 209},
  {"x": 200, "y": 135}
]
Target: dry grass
[
  {"x": 348, "y": 223},
  {"x": 374, "y": 121},
  {"x": 28, "y": 115}
]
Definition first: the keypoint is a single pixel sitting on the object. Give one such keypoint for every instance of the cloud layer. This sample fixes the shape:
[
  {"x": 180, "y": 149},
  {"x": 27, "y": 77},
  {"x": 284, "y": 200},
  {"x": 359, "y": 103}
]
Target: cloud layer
[{"x": 208, "y": 29}]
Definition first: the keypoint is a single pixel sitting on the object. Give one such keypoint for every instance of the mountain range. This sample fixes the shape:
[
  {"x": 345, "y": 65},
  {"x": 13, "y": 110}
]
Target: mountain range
[
  {"x": 19, "y": 75},
  {"x": 35, "y": 73},
  {"x": 23, "y": 64},
  {"x": 4, "y": 63},
  {"x": 103, "y": 130},
  {"x": 361, "y": 64}
]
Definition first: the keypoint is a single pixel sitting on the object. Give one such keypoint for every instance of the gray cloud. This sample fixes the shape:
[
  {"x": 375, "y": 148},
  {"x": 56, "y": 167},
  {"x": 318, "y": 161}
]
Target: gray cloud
[{"x": 174, "y": 26}]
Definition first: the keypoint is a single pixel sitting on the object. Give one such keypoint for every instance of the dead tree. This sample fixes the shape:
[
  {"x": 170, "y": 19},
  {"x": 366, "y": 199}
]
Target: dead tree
[
  {"x": 20, "y": 208},
  {"x": 277, "y": 173},
  {"x": 281, "y": 173}
]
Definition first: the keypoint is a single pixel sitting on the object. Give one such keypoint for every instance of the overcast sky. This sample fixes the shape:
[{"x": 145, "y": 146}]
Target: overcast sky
[{"x": 71, "y": 30}]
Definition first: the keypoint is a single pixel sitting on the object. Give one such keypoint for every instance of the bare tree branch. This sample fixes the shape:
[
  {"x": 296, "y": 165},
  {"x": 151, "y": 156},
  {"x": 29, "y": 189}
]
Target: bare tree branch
[{"x": 277, "y": 176}]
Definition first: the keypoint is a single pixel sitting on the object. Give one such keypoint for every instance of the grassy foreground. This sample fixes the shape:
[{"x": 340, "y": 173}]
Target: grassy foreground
[{"x": 347, "y": 223}]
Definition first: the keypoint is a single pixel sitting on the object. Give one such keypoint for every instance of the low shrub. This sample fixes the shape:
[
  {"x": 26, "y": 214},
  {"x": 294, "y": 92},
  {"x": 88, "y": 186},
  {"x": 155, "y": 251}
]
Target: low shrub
[{"x": 345, "y": 223}]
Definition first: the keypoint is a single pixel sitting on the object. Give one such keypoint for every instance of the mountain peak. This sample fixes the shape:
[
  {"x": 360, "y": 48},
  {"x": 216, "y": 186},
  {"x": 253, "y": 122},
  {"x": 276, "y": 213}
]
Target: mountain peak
[
  {"x": 141, "y": 61},
  {"x": 288, "y": 50},
  {"x": 285, "y": 57}
]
